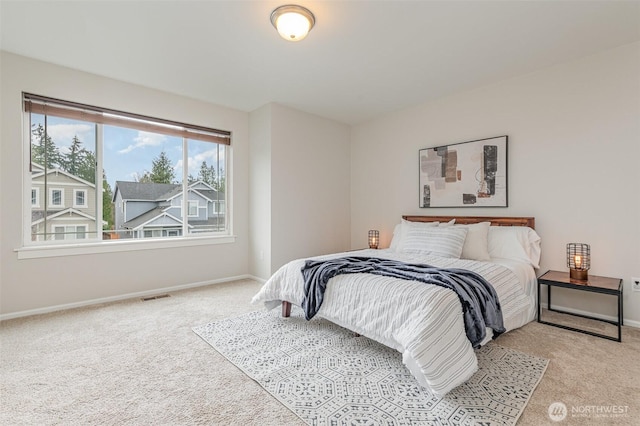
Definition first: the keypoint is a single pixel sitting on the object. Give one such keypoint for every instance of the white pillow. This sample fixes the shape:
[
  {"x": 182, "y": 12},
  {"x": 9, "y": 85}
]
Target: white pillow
[
  {"x": 443, "y": 242},
  {"x": 450, "y": 223},
  {"x": 401, "y": 229},
  {"x": 409, "y": 224},
  {"x": 476, "y": 245},
  {"x": 515, "y": 242},
  {"x": 396, "y": 237}
]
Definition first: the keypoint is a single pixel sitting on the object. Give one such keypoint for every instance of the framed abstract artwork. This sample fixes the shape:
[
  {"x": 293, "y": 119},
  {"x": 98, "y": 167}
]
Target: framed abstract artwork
[{"x": 465, "y": 174}]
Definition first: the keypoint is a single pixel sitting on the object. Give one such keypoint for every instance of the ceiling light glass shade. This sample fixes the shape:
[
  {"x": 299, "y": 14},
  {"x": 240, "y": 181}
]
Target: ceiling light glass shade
[{"x": 293, "y": 22}]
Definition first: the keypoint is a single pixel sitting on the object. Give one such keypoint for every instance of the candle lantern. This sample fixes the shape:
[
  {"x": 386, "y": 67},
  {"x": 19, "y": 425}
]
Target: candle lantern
[
  {"x": 374, "y": 239},
  {"x": 578, "y": 260}
]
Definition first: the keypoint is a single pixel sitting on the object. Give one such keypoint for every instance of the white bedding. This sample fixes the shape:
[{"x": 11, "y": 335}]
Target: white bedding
[{"x": 423, "y": 322}]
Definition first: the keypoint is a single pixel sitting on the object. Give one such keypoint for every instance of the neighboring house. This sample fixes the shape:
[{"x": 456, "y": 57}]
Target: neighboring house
[
  {"x": 63, "y": 206},
  {"x": 144, "y": 210}
]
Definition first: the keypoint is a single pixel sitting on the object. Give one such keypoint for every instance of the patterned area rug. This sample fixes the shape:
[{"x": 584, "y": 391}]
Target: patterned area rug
[{"x": 327, "y": 376}]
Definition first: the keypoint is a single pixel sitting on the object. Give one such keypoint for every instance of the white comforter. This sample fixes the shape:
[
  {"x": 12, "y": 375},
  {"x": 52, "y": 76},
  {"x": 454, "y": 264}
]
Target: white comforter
[{"x": 423, "y": 322}]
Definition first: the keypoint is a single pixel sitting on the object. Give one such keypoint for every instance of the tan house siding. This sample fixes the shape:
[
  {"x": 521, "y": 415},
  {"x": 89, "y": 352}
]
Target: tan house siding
[{"x": 68, "y": 213}]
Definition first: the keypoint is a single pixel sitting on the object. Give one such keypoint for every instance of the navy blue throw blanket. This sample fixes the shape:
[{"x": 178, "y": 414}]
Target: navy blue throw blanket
[{"x": 480, "y": 304}]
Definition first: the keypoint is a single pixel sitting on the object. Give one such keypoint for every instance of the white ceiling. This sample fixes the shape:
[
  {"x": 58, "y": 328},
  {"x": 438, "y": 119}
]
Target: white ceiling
[{"x": 361, "y": 60}]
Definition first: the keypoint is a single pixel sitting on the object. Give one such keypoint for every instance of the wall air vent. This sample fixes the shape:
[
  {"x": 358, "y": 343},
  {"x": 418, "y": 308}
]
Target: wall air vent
[{"x": 160, "y": 296}]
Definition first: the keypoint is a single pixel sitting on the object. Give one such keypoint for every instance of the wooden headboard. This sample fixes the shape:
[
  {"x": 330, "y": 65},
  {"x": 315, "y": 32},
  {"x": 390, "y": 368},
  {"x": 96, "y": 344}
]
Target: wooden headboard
[{"x": 465, "y": 220}]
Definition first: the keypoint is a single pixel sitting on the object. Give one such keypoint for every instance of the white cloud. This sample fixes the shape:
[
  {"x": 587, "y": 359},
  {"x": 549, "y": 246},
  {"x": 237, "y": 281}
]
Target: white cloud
[
  {"x": 196, "y": 160},
  {"x": 208, "y": 156},
  {"x": 62, "y": 135},
  {"x": 145, "y": 139}
]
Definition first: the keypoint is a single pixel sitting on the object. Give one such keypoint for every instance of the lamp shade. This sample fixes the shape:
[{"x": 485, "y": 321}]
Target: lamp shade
[
  {"x": 293, "y": 22},
  {"x": 578, "y": 260},
  {"x": 374, "y": 239}
]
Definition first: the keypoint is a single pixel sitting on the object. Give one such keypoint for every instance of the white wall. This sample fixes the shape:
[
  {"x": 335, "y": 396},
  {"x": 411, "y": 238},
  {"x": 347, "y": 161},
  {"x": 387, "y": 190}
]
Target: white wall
[
  {"x": 304, "y": 171},
  {"x": 574, "y": 145},
  {"x": 574, "y": 151},
  {"x": 310, "y": 186},
  {"x": 260, "y": 192},
  {"x": 37, "y": 283}
]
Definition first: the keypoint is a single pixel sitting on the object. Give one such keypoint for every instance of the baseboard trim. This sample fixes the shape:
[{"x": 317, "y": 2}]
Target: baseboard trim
[
  {"x": 628, "y": 322},
  {"x": 260, "y": 280},
  {"x": 49, "y": 309},
  {"x": 117, "y": 298}
]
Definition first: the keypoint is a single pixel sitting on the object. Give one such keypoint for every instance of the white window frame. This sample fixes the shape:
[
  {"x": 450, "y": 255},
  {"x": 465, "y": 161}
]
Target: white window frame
[
  {"x": 35, "y": 190},
  {"x": 155, "y": 232},
  {"x": 85, "y": 232},
  {"x": 43, "y": 249},
  {"x": 189, "y": 204},
  {"x": 55, "y": 232},
  {"x": 75, "y": 198},
  {"x": 51, "y": 205},
  {"x": 68, "y": 231}
]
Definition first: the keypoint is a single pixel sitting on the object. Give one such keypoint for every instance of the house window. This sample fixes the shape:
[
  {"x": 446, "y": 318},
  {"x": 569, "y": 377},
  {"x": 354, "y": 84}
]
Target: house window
[
  {"x": 193, "y": 208},
  {"x": 218, "y": 206},
  {"x": 59, "y": 232},
  {"x": 35, "y": 197},
  {"x": 56, "y": 197},
  {"x": 81, "y": 232},
  {"x": 69, "y": 232},
  {"x": 154, "y": 174},
  {"x": 152, "y": 233},
  {"x": 80, "y": 198}
]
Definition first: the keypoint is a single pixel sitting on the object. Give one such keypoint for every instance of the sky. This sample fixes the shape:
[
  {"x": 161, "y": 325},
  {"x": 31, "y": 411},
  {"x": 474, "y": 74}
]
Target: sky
[{"x": 128, "y": 153}]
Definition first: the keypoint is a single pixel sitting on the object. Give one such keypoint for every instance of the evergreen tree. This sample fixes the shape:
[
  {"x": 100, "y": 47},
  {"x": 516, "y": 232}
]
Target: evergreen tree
[
  {"x": 221, "y": 182},
  {"x": 161, "y": 170},
  {"x": 86, "y": 168},
  {"x": 107, "y": 204},
  {"x": 71, "y": 161},
  {"x": 207, "y": 174},
  {"x": 143, "y": 178},
  {"x": 43, "y": 151}
]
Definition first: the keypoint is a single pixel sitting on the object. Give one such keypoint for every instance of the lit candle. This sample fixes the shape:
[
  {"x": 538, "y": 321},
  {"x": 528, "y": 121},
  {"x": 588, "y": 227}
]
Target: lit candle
[{"x": 578, "y": 261}]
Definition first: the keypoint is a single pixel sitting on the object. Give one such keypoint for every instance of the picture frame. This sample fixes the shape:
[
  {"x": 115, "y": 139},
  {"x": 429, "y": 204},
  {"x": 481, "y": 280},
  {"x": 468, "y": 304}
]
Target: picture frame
[{"x": 464, "y": 174}]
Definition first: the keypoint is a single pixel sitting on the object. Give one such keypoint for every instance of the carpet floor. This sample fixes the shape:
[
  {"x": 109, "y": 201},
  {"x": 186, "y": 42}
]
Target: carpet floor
[{"x": 139, "y": 363}]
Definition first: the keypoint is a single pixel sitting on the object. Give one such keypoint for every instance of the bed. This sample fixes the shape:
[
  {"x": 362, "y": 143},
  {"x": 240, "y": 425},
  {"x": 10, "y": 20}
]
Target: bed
[{"x": 425, "y": 322}]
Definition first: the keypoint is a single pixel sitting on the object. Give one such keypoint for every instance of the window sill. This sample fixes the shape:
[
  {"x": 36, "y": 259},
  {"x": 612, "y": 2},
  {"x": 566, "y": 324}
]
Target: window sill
[{"x": 36, "y": 252}]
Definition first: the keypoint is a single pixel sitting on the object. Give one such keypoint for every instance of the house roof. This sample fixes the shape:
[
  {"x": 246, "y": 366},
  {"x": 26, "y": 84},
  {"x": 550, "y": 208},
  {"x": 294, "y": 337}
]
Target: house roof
[
  {"x": 36, "y": 174},
  {"x": 211, "y": 194},
  {"x": 211, "y": 221},
  {"x": 149, "y": 191},
  {"x": 146, "y": 191},
  {"x": 144, "y": 217},
  {"x": 156, "y": 192},
  {"x": 37, "y": 216}
]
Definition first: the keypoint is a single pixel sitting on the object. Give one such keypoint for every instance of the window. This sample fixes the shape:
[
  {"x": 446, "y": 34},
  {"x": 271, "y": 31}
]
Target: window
[
  {"x": 69, "y": 232},
  {"x": 56, "y": 197},
  {"x": 193, "y": 208},
  {"x": 81, "y": 232},
  {"x": 126, "y": 176},
  {"x": 35, "y": 197},
  {"x": 80, "y": 198}
]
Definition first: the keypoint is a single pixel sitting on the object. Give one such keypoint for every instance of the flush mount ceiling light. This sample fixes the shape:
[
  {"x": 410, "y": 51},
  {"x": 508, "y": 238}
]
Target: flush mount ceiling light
[{"x": 293, "y": 22}]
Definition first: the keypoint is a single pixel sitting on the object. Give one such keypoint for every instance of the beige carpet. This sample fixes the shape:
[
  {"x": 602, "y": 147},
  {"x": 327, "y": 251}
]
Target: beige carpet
[{"x": 139, "y": 363}]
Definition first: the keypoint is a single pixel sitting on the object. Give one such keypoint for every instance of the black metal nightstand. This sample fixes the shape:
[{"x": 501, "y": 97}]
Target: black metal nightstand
[{"x": 595, "y": 284}]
